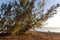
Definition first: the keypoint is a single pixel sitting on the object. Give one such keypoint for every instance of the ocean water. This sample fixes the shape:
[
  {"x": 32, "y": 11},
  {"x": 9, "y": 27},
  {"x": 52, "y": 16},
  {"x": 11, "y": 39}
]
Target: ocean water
[{"x": 49, "y": 29}]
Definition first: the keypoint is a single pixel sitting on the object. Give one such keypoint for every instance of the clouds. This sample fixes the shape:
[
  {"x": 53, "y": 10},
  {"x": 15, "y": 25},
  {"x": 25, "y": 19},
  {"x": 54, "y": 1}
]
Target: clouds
[{"x": 55, "y": 20}]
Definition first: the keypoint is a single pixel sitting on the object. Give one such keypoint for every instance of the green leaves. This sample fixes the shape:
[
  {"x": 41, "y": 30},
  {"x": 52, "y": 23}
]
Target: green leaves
[
  {"x": 30, "y": 19},
  {"x": 25, "y": 19}
]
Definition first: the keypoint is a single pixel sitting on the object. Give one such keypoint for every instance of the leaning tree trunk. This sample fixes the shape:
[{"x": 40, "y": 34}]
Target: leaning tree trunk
[
  {"x": 18, "y": 26},
  {"x": 21, "y": 17}
]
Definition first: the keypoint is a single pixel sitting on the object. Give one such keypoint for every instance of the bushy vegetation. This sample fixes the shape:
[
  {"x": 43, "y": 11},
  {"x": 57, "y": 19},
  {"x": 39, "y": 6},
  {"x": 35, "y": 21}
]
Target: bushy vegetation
[{"x": 19, "y": 18}]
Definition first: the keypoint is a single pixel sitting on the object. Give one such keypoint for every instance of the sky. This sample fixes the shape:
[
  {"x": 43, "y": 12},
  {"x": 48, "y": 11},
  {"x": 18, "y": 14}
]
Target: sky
[
  {"x": 4, "y": 1},
  {"x": 55, "y": 20},
  {"x": 52, "y": 22}
]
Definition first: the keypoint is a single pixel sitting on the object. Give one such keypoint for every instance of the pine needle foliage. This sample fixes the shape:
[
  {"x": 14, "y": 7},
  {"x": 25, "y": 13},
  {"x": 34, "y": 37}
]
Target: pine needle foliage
[{"x": 19, "y": 18}]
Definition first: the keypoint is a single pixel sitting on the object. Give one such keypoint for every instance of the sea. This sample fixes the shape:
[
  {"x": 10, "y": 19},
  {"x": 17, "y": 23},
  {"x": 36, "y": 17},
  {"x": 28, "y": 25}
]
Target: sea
[{"x": 48, "y": 29}]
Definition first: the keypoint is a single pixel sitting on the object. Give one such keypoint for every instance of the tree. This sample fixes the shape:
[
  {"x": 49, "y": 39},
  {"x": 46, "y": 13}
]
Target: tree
[{"x": 19, "y": 17}]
